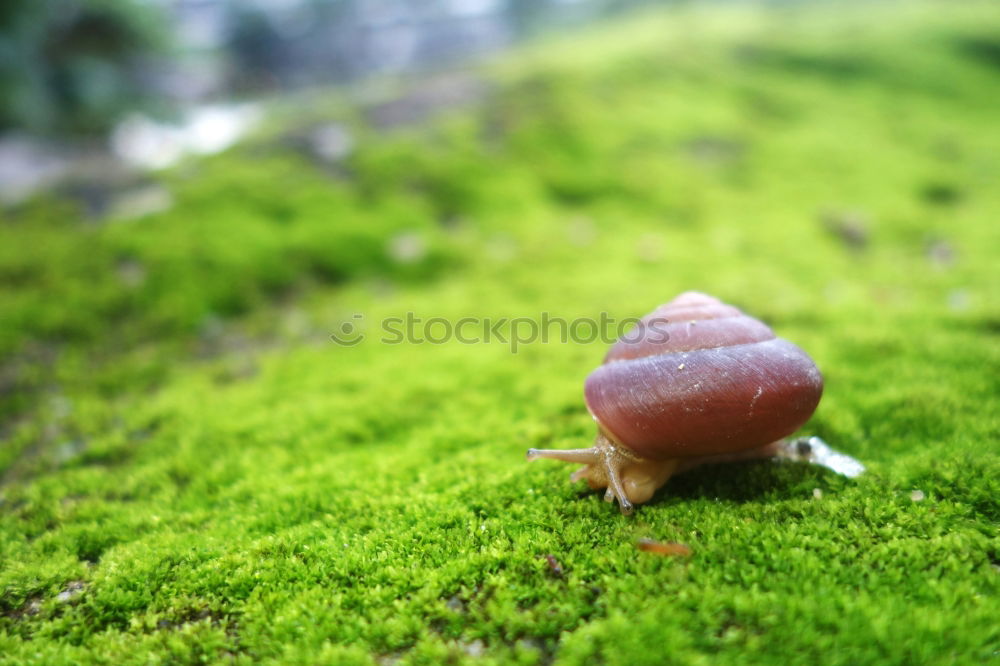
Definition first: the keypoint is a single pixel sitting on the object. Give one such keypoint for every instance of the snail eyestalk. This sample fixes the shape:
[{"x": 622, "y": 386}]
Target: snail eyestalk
[
  {"x": 627, "y": 477},
  {"x": 585, "y": 456}
]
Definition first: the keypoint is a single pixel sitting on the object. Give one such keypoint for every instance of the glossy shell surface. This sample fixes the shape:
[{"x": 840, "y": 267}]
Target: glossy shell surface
[{"x": 699, "y": 377}]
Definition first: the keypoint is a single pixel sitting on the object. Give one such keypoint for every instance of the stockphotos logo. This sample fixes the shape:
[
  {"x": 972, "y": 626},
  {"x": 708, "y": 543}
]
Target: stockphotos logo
[
  {"x": 512, "y": 331},
  {"x": 350, "y": 332}
]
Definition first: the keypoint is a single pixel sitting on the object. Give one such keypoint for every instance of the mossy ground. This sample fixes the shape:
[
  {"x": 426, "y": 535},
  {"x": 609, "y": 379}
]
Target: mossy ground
[{"x": 194, "y": 471}]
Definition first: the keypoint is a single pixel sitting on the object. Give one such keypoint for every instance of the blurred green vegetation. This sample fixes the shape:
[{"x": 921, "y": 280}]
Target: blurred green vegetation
[
  {"x": 193, "y": 471},
  {"x": 74, "y": 66}
]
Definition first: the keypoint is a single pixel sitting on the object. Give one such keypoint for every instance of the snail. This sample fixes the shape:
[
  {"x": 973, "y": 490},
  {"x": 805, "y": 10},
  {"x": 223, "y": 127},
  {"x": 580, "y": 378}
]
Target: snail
[{"x": 695, "y": 381}]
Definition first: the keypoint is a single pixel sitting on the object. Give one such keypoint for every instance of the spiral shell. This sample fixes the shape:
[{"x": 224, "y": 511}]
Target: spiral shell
[
  {"x": 696, "y": 380},
  {"x": 699, "y": 377}
]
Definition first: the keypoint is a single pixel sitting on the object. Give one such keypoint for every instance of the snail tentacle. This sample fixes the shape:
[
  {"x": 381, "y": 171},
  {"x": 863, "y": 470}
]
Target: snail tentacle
[
  {"x": 606, "y": 465},
  {"x": 586, "y": 456},
  {"x": 613, "y": 471}
]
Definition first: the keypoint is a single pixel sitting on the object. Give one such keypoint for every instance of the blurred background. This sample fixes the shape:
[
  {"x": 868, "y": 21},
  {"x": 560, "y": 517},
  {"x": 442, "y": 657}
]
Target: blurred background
[{"x": 161, "y": 77}]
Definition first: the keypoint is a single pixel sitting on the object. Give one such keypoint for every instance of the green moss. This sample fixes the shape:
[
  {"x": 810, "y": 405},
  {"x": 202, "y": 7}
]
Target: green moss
[{"x": 193, "y": 471}]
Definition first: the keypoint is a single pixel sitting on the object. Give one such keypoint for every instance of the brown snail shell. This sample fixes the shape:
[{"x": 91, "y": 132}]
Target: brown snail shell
[{"x": 695, "y": 379}]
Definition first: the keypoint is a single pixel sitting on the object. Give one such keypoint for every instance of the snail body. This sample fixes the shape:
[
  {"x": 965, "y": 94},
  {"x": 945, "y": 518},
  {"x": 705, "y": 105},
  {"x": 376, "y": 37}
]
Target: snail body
[{"x": 696, "y": 380}]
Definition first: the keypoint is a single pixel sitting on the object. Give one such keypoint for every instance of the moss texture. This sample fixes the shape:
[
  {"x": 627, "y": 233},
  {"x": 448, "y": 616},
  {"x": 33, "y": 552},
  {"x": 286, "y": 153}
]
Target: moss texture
[{"x": 194, "y": 471}]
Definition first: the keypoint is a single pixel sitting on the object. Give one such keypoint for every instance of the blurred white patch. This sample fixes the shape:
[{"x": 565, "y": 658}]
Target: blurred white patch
[
  {"x": 474, "y": 649},
  {"x": 140, "y": 202},
  {"x": 581, "y": 231},
  {"x": 501, "y": 247},
  {"x": 473, "y": 7},
  {"x": 941, "y": 254},
  {"x": 959, "y": 300},
  {"x": 650, "y": 248},
  {"x": 27, "y": 164},
  {"x": 918, "y": 496},
  {"x": 73, "y": 589},
  {"x": 146, "y": 143},
  {"x": 331, "y": 142},
  {"x": 407, "y": 247}
]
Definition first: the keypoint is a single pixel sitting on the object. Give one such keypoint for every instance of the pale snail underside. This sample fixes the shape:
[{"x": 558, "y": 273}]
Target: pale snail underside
[{"x": 696, "y": 381}]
